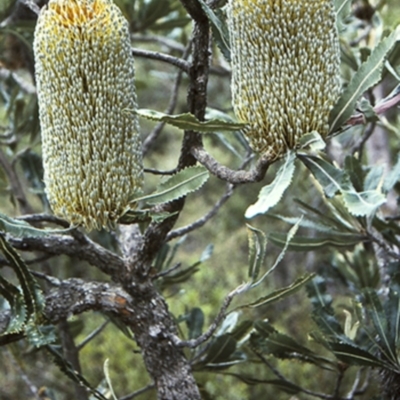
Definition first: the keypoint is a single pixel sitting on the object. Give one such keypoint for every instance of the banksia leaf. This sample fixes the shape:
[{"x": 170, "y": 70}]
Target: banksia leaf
[
  {"x": 285, "y": 69},
  {"x": 85, "y": 82}
]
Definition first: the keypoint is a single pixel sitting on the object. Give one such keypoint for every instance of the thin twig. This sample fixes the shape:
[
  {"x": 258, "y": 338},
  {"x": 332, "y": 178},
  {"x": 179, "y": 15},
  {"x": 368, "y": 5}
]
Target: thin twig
[
  {"x": 338, "y": 383},
  {"x": 158, "y": 172},
  {"x": 92, "y": 335},
  {"x": 203, "y": 220},
  {"x": 138, "y": 392},
  {"x": 359, "y": 147},
  {"x": 155, "y": 55},
  {"x": 50, "y": 279},
  {"x": 212, "y": 328},
  {"x": 43, "y": 217}
]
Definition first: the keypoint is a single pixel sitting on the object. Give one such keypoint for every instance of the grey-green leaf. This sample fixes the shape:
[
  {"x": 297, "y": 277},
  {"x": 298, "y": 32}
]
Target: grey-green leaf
[
  {"x": 219, "y": 29},
  {"x": 354, "y": 355},
  {"x": 281, "y": 293},
  {"x": 19, "y": 228},
  {"x": 190, "y": 122},
  {"x": 195, "y": 322},
  {"x": 257, "y": 251},
  {"x": 331, "y": 179},
  {"x": 221, "y": 349},
  {"x": 179, "y": 185},
  {"x": 367, "y": 75},
  {"x": 376, "y": 312},
  {"x": 304, "y": 243},
  {"x": 364, "y": 203},
  {"x": 271, "y": 194}
]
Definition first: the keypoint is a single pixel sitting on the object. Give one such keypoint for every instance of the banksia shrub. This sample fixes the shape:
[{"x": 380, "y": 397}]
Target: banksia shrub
[
  {"x": 85, "y": 84},
  {"x": 285, "y": 69}
]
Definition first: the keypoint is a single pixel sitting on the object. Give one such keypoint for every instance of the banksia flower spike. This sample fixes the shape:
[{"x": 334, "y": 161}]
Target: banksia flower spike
[
  {"x": 285, "y": 69},
  {"x": 85, "y": 84}
]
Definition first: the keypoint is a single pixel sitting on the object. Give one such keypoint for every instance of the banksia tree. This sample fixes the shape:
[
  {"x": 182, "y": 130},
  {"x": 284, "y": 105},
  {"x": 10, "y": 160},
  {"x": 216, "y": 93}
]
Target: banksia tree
[
  {"x": 285, "y": 69},
  {"x": 85, "y": 84}
]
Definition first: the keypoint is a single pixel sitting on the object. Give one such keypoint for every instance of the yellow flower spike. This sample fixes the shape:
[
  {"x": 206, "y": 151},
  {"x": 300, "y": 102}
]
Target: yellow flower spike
[
  {"x": 285, "y": 69},
  {"x": 85, "y": 82}
]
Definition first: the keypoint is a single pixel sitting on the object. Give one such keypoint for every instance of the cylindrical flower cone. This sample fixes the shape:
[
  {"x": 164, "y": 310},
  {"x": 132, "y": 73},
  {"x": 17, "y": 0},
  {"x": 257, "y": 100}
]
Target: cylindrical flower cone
[
  {"x": 85, "y": 84},
  {"x": 285, "y": 69}
]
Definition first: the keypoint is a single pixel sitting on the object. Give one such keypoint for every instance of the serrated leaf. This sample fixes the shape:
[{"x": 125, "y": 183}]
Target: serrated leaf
[
  {"x": 33, "y": 296},
  {"x": 354, "y": 355},
  {"x": 271, "y": 194},
  {"x": 304, "y": 243},
  {"x": 221, "y": 349},
  {"x": 190, "y": 122},
  {"x": 363, "y": 203},
  {"x": 375, "y": 310},
  {"x": 283, "y": 346},
  {"x": 257, "y": 251},
  {"x": 327, "y": 217},
  {"x": 195, "y": 322},
  {"x": 219, "y": 29},
  {"x": 331, "y": 179},
  {"x": 19, "y": 316},
  {"x": 281, "y": 293},
  {"x": 292, "y": 232},
  {"x": 179, "y": 277},
  {"x": 19, "y": 228},
  {"x": 367, "y": 75},
  {"x": 329, "y": 325},
  {"x": 177, "y": 186}
]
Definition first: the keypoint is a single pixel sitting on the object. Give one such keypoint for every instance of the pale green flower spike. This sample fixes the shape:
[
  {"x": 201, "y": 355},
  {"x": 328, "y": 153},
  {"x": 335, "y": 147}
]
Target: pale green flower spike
[
  {"x": 85, "y": 79},
  {"x": 285, "y": 69}
]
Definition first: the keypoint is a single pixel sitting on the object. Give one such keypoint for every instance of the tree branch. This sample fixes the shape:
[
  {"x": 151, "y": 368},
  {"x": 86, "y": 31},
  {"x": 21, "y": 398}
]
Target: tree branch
[
  {"x": 226, "y": 174},
  {"x": 84, "y": 249}
]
